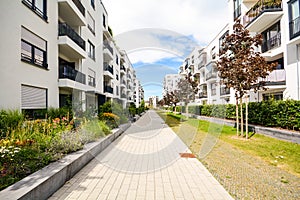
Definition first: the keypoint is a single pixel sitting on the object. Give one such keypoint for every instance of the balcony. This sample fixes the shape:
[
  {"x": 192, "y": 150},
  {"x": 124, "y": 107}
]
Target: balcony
[
  {"x": 108, "y": 89},
  {"x": 123, "y": 68},
  {"x": 203, "y": 60},
  {"x": 108, "y": 68},
  {"x": 68, "y": 72},
  {"x": 70, "y": 43},
  {"x": 211, "y": 75},
  {"x": 271, "y": 43},
  {"x": 262, "y": 15},
  {"x": 294, "y": 28},
  {"x": 224, "y": 91},
  {"x": 72, "y": 11},
  {"x": 276, "y": 77},
  {"x": 108, "y": 51}
]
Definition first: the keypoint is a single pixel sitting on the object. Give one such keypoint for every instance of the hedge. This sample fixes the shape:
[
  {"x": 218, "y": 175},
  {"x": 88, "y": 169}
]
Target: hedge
[{"x": 284, "y": 114}]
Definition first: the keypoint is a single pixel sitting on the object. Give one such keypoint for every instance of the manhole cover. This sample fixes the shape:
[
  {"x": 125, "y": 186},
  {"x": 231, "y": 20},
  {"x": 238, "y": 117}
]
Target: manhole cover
[{"x": 187, "y": 155}]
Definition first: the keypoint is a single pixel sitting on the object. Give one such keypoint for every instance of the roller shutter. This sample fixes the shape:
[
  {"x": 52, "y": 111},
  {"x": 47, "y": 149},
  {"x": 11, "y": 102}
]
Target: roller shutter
[{"x": 33, "y": 97}]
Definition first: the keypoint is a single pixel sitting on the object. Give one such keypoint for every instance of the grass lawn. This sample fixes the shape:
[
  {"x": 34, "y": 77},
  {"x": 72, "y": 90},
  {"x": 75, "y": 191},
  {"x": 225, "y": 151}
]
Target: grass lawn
[{"x": 285, "y": 155}]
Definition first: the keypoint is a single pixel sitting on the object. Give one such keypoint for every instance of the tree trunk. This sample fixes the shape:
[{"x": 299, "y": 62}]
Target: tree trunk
[
  {"x": 246, "y": 117},
  {"x": 242, "y": 119},
  {"x": 237, "y": 115}
]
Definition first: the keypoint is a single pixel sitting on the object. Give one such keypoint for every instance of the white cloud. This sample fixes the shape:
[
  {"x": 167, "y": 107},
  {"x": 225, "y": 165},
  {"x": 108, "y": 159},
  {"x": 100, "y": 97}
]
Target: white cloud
[
  {"x": 148, "y": 56},
  {"x": 201, "y": 18}
]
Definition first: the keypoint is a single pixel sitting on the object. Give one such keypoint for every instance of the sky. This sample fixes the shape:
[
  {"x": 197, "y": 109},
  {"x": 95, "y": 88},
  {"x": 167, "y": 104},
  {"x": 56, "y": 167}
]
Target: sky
[{"x": 158, "y": 34}]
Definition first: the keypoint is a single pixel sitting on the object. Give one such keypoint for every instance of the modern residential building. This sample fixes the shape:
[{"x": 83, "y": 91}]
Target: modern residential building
[
  {"x": 170, "y": 83},
  {"x": 279, "y": 23},
  {"x": 58, "y": 53},
  {"x": 153, "y": 101}
]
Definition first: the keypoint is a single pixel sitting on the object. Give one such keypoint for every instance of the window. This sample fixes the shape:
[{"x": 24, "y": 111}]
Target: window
[
  {"x": 37, "y": 6},
  {"x": 91, "y": 23},
  {"x": 271, "y": 37},
  {"x": 93, "y": 3},
  {"x": 294, "y": 18},
  {"x": 213, "y": 89},
  {"x": 91, "y": 77},
  {"x": 117, "y": 89},
  {"x": 33, "y": 49},
  {"x": 275, "y": 96},
  {"x": 33, "y": 97},
  {"x": 237, "y": 9},
  {"x": 91, "y": 50}
]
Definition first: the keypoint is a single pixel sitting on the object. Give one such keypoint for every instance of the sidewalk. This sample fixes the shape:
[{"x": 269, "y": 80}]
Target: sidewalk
[{"x": 144, "y": 163}]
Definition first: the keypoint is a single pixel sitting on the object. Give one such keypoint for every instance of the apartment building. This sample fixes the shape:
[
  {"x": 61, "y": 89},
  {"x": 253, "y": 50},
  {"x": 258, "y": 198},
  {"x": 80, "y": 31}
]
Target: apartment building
[
  {"x": 57, "y": 53},
  {"x": 170, "y": 83},
  {"x": 279, "y": 23}
]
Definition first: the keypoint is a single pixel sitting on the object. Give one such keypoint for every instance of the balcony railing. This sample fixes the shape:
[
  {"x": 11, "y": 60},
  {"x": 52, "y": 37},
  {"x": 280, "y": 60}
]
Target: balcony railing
[
  {"x": 295, "y": 28},
  {"x": 69, "y": 72},
  {"x": 108, "y": 89},
  {"x": 108, "y": 68},
  {"x": 224, "y": 91},
  {"x": 211, "y": 75},
  {"x": 65, "y": 30},
  {"x": 123, "y": 68},
  {"x": 275, "y": 77},
  {"x": 79, "y": 5},
  {"x": 123, "y": 96},
  {"x": 107, "y": 46},
  {"x": 260, "y": 7},
  {"x": 271, "y": 43}
]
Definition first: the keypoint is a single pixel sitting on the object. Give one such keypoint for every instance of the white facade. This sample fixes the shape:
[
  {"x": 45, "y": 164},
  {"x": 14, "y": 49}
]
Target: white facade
[{"x": 57, "y": 52}]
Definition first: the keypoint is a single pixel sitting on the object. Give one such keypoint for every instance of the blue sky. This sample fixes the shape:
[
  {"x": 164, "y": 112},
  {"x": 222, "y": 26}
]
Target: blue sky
[{"x": 158, "y": 35}]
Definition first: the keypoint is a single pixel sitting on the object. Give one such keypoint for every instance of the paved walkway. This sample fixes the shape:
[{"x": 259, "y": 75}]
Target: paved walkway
[{"x": 144, "y": 163}]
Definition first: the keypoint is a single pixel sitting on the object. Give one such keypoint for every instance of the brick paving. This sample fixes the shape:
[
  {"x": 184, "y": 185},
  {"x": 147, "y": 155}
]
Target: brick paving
[{"x": 146, "y": 162}]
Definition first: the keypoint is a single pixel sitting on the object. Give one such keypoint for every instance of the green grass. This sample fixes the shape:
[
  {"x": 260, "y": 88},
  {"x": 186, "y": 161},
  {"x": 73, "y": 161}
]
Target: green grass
[{"x": 285, "y": 155}]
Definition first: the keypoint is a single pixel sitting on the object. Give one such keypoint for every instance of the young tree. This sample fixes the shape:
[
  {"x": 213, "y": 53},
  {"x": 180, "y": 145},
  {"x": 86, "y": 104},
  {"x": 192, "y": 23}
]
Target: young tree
[
  {"x": 171, "y": 99},
  {"x": 240, "y": 66}
]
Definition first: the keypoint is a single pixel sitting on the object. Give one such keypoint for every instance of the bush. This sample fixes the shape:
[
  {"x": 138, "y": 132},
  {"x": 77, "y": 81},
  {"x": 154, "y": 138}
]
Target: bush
[
  {"x": 8, "y": 120},
  {"x": 284, "y": 114}
]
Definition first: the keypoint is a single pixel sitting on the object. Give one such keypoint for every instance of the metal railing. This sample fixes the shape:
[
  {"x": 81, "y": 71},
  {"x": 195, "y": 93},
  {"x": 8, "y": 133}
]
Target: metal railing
[
  {"x": 260, "y": 7},
  {"x": 65, "y": 30},
  {"x": 69, "y": 72},
  {"x": 271, "y": 43}
]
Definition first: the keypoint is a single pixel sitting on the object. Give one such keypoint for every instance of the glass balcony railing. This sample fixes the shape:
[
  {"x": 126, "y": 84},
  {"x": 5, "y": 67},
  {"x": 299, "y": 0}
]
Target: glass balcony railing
[
  {"x": 108, "y": 68},
  {"x": 69, "y": 72},
  {"x": 108, "y": 89},
  {"x": 79, "y": 5},
  {"x": 65, "y": 30}
]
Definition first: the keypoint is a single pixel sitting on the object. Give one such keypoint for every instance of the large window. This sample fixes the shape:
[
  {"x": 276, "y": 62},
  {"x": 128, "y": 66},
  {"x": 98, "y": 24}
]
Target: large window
[
  {"x": 33, "y": 49},
  {"x": 213, "y": 89},
  {"x": 294, "y": 17},
  {"x": 237, "y": 9},
  {"x": 37, "y": 6},
  {"x": 222, "y": 39},
  {"x": 91, "y": 50},
  {"x": 93, "y": 3},
  {"x": 92, "y": 78},
  {"x": 271, "y": 37}
]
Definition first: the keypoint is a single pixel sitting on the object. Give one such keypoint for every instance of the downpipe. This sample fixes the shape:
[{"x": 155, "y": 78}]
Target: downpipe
[{"x": 297, "y": 58}]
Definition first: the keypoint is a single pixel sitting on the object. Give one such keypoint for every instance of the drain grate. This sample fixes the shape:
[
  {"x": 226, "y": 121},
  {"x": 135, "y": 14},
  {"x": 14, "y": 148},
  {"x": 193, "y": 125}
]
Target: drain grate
[{"x": 187, "y": 155}]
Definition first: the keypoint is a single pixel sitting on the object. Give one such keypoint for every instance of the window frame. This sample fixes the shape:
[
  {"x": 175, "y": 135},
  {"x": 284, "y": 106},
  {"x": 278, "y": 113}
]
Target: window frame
[
  {"x": 91, "y": 50},
  {"x": 292, "y": 36},
  {"x": 32, "y": 59},
  {"x": 31, "y": 4}
]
